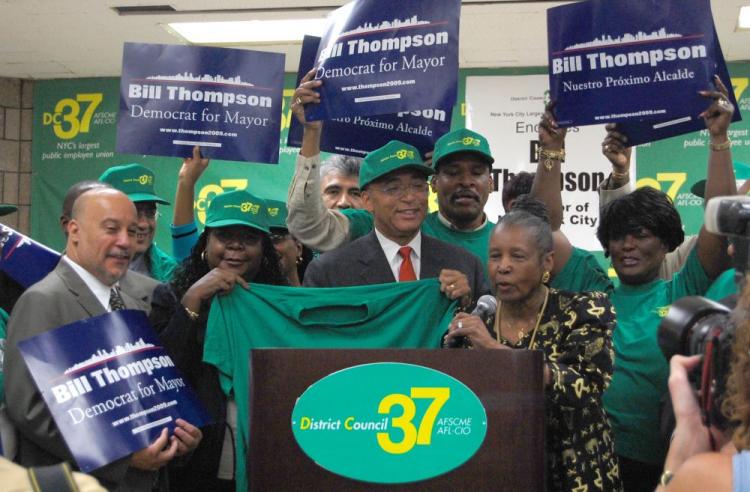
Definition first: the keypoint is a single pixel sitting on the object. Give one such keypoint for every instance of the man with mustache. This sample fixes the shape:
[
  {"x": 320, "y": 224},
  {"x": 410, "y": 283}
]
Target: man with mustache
[
  {"x": 134, "y": 283},
  {"x": 462, "y": 183},
  {"x": 85, "y": 283},
  {"x": 137, "y": 182},
  {"x": 339, "y": 182}
]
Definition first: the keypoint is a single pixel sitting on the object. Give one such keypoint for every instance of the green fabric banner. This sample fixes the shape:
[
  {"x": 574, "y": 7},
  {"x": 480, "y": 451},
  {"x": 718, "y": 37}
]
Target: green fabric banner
[{"x": 398, "y": 315}]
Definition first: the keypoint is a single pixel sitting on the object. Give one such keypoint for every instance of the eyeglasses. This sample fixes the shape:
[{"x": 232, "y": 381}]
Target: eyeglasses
[
  {"x": 277, "y": 238},
  {"x": 399, "y": 190},
  {"x": 229, "y": 236},
  {"x": 147, "y": 210}
]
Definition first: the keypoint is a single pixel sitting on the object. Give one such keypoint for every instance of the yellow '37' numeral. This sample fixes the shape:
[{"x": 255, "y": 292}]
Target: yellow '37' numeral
[{"x": 411, "y": 436}]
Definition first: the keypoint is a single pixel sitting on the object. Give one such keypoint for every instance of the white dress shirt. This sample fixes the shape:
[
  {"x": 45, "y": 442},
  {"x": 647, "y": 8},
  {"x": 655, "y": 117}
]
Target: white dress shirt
[
  {"x": 100, "y": 291},
  {"x": 390, "y": 248}
]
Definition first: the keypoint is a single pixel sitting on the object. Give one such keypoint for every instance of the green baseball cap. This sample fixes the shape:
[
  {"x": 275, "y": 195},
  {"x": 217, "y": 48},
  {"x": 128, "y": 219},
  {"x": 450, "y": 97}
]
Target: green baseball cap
[
  {"x": 238, "y": 208},
  {"x": 134, "y": 180},
  {"x": 390, "y": 157},
  {"x": 6, "y": 209},
  {"x": 741, "y": 171},
  {"x": 277, "y": 213},
  {"x": 461, "y": 140}
]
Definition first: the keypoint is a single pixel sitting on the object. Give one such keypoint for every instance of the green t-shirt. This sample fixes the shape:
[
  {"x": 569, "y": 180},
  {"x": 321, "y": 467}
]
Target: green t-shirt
[
  {"x": 639, "y": 380},
  {"x": 361, "y": 222},
  {"x": 162, "y": 265},
  {"x": 723, "y": 286},
  {"x": 3, "y": 336},
  {"x": 477, "y": 242},
  {"x": 406, "y": 315},
  {"x": 582, "y": 273}
]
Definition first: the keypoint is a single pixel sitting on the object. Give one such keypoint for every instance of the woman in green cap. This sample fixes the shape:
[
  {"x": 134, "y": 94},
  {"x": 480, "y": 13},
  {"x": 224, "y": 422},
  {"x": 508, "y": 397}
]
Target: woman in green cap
[
  {"x": 233, "y": 250},
  {"x": 293, "y": 255}
]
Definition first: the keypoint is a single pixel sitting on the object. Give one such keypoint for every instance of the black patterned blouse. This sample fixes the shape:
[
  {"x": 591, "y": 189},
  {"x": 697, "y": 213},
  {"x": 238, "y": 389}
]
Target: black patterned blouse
[{"x": 575, "y": 333}]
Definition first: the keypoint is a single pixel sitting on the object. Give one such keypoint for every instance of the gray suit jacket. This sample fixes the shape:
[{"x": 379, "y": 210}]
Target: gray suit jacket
[
  {"x": 363, "y": 262},
  {"x": 58, "y": 299}
]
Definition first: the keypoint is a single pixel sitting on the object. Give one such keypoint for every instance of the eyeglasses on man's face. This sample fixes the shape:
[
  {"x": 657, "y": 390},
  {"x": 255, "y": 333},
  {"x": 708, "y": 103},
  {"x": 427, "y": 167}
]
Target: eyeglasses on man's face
[{"x": 398, "y": 190}]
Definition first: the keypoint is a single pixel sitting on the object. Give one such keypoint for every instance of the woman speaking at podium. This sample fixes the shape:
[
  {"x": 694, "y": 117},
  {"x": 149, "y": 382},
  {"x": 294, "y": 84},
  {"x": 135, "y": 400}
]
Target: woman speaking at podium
[{"x": 574, "y": 331}]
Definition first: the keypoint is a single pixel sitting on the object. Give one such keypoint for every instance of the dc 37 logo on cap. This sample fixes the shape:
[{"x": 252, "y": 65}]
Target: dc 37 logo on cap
[
  {"x": 143, "y": 179},
  {"x": 273, "y": 211},
  {"x": 249, "y": 207},
  {"x": 471, "y": 141},
  {"x": 404, "y": 153}
]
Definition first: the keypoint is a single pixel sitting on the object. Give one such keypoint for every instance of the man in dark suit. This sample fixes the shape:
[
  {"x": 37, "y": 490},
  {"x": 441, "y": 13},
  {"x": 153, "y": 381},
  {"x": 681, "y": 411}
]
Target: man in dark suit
[
  {"x": 395, "y": 190},
  {"x": 85, "y": 283}
]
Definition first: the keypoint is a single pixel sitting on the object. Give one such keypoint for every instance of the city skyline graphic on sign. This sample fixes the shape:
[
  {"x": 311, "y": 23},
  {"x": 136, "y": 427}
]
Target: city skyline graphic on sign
[
  {"x": 205, "y": 78},
  {"x": 103, "y": 355},
  {"x": 627, "y": 38}
]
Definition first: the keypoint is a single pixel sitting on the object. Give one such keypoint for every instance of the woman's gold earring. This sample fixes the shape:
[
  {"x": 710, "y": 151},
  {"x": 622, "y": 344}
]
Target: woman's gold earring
[{"x": 545, "y": 277}]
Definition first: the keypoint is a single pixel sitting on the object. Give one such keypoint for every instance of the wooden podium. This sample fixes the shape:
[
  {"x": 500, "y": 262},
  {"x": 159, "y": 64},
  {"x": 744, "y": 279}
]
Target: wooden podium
[{"x": 509, "y": 384}]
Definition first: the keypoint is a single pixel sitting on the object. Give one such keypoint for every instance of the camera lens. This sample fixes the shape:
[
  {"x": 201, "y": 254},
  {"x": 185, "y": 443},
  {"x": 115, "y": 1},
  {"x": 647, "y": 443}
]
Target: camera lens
[{"x": 689, "y": 320}]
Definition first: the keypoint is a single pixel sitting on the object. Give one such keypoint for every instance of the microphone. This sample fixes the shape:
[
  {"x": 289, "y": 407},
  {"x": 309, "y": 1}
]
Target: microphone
[{"x": 486, "y": 306}]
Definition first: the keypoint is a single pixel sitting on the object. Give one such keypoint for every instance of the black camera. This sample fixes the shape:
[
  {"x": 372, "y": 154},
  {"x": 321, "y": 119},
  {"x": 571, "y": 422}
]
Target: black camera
[{"x": 698, "y": 326}]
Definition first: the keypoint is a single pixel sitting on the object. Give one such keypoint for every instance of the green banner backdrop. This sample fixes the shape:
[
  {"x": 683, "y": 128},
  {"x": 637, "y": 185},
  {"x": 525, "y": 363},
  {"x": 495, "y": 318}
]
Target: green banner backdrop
[
  {"x": 75, "y": 130},
  {"x": 74, "y": 139},
  {"x": 675, "y": 164}
]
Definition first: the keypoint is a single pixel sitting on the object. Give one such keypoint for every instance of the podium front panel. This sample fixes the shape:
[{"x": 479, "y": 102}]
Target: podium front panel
[{"x": 508, "y": 383}]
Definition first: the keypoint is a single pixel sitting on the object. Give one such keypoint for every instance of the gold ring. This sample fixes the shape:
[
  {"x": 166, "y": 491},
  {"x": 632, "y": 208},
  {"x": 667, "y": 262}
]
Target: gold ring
[
  {"x": 460, "y": 324},
  {"x": 724, "y": 103},
  {"x": 298, "y": 101},
  {"x": 451, "y": 286}
]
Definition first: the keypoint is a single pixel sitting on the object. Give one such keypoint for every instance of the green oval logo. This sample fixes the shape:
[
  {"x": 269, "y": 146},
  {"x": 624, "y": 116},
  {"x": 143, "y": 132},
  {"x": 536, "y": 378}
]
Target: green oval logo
[{"x": 389, "y": 422}]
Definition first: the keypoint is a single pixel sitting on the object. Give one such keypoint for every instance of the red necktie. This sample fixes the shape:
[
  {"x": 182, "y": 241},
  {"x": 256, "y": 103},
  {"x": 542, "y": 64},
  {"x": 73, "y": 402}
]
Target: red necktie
[{"x": 406, "y": 271}]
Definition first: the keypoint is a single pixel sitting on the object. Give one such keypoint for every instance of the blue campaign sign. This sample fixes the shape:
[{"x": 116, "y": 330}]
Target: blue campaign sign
[
  {"x": 23, "y": 259},
  {"x": 630, "y": 61},
  {"x": 386, "y": 57},
  {"x": 359, "y": 135},
  {"x": 639, "y": 132},
  {"x": 110, "y": 385},
  {"x": 228, "y": 101}
]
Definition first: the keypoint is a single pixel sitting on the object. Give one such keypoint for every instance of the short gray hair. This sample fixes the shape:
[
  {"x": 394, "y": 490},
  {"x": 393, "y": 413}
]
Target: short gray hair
[
  {"x": 342, "y": 165},
  {"x": 539, "y": 229}
]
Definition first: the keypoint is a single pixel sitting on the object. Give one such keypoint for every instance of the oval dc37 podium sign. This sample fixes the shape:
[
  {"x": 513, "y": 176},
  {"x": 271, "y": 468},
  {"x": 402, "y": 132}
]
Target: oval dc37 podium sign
[{"x": 389, "y": 422}]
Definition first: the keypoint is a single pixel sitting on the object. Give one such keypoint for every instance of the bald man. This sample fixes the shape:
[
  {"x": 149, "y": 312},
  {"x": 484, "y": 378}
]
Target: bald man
[{"x": 99, "y": 248}]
